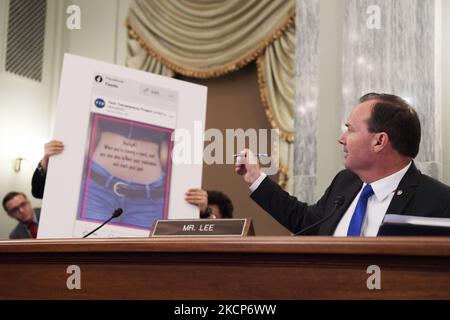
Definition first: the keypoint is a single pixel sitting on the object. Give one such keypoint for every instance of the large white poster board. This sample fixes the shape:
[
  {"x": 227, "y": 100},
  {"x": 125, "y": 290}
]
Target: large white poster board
[{"x": 119, "y": 127}]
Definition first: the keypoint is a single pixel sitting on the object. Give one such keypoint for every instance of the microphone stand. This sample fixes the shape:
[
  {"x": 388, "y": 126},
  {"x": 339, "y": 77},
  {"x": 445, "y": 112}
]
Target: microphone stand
[
  {"x": 115, "y": 214},
  {"x": 339, "y": 201}
]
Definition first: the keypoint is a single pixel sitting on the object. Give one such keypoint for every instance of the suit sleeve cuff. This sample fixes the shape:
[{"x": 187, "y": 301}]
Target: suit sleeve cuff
[{"x": 258, "y": 181}]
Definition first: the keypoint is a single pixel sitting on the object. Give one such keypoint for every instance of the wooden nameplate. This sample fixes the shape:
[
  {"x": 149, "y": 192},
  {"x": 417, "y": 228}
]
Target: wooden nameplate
[{"x": 203, "y": 228}]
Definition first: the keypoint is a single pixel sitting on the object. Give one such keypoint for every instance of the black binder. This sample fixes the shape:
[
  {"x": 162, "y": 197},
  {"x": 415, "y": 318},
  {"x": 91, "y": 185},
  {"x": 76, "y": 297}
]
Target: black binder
[
  {"x": 402, "y": 225},
  {"x": 406, "y": 229}
]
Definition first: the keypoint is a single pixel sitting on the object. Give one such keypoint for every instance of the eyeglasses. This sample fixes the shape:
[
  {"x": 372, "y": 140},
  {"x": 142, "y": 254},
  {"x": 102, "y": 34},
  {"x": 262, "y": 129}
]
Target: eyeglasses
[{"x": 16, "y": 210}]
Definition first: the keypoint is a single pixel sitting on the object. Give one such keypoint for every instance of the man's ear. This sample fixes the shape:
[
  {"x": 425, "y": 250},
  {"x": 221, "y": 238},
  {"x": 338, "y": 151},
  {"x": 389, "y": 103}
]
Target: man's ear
[{"x": 381, "y": 140}]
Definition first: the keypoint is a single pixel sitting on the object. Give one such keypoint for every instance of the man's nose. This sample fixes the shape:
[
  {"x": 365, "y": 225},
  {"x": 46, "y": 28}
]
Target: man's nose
[{"x": 341, "y": 139}]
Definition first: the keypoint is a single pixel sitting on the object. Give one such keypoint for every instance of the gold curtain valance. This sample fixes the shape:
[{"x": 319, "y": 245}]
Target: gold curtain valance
[{"x": 204, "y": 39}]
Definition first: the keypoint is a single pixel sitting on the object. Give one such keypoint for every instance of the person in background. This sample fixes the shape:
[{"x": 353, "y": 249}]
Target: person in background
[
  {"x": 18, "y": 207},
  {"x": 212, "y": 204}
]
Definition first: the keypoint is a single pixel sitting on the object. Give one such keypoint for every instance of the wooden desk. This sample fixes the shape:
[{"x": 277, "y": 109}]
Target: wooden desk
[{"x": 227, "y": 268}]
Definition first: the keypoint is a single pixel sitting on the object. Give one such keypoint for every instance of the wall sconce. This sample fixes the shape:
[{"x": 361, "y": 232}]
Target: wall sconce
[
  {"x": 18, "y": 163},
  {"x": 24, "y": 152}
]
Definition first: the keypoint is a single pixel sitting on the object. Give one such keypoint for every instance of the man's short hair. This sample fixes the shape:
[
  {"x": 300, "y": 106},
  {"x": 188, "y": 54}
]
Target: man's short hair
[
  {"x": 394, "y": 115},
  {"x": 11, "y": 195},
  {"x": 223, "y": 202}
]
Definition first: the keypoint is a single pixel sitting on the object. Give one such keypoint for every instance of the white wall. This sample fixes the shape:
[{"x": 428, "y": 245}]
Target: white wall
[
  {"x": 445, "y": 89},
  {"x": 329, "y": 152},
  {"x": 24, "y": 121},
  {"x": 26, "y": 107}
]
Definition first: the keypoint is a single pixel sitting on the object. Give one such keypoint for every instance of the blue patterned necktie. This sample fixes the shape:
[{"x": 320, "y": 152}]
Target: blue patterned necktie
[{"x": 354, "y": 229}]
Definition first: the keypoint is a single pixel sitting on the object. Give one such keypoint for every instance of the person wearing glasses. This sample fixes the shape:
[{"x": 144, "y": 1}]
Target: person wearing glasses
[{"x": 18, "y": 207}]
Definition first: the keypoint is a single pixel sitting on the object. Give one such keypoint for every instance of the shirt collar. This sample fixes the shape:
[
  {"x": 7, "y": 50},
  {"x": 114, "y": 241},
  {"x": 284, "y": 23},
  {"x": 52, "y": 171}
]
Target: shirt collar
[
  {"x": 35, "y": 219},
  {"x": 384, "y": 187}
]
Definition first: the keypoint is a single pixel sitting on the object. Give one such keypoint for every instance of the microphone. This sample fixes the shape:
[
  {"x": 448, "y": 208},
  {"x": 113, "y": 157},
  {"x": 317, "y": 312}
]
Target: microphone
[
  {"x": 339, "y": 201},
  {"x": 115, "y": 214}
]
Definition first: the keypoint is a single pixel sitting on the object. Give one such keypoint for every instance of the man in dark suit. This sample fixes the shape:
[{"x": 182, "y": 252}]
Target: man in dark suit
[
  {"x": 19, "y": 207},
  {"x": 380, "y": 143}
]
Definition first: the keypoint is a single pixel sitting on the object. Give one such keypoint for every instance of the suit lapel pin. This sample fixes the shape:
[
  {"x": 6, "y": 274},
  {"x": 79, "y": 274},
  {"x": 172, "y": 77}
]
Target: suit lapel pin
[{"x": 399, "y": 192}]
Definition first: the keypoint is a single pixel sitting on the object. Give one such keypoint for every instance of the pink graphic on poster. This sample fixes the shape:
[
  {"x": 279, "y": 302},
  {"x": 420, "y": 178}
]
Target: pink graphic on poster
[{"x": 129, "y": 167}]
